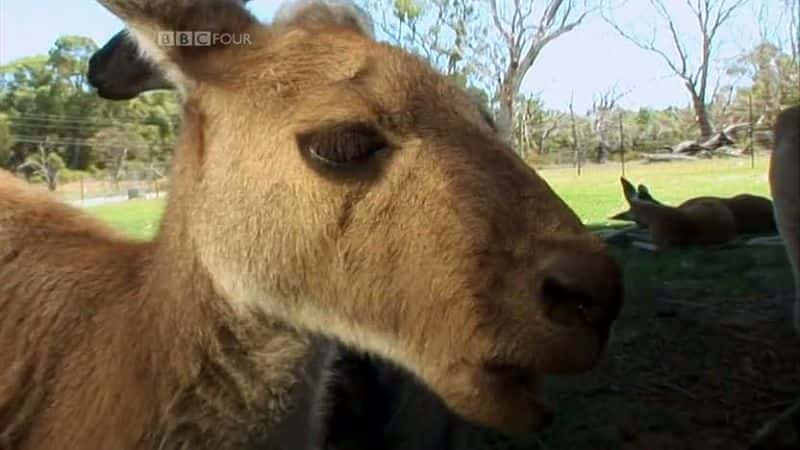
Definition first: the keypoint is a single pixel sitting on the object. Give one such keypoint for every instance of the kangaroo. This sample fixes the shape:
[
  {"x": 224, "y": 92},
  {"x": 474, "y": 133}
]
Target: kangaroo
[
  {"x": 753, "y": 214},
  {"x": 700, "y": 221},
  {"x": 371, "y": 404},
  {"x": 784, "y": 170},
  {"x": 325, "y": 187}
]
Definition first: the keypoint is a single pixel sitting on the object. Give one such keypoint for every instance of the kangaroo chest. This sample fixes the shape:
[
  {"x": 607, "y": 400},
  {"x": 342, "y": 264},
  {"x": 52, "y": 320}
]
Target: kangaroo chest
[{"x": 265, "y": 399}]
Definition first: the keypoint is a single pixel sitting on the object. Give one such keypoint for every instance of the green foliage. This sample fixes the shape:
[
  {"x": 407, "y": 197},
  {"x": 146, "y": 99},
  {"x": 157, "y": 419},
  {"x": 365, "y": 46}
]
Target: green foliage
[
  {"x": 774, "y": 83},
  {"x": 45, "y": 165},
  {"x": 407, "y": 10},
  {"x": 47, "y": 98},
  {"x": 72, "y": 176},
  {"x": 6, "y": 142},
  {"x": 452, "y": 35}
]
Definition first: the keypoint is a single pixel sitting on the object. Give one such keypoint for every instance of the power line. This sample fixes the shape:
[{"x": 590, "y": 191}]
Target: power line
[
  {"x": 87, "y": 127},
  {"x": 62, "y": 119},
  {"x": 40, "y": 140},
  {"x": 74, "y": 121},
  {"x": 67, "y": 117}
]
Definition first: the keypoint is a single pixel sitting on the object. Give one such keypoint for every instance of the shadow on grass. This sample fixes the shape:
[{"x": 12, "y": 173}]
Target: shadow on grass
[{"x": 698, "y": 359}]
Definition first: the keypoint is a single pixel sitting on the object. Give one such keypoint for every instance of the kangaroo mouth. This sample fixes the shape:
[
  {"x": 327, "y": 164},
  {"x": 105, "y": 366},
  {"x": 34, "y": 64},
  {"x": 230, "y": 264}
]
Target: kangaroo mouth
[
  {"x": 521, "y": 383},
  {"x": 513, "y": 376}
]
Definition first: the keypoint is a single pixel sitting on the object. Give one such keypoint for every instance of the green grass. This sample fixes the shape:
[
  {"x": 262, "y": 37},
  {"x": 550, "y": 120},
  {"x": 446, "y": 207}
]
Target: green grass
[
  {"x": 595, "y": 195},
  {"x": 138, "y": 218}
]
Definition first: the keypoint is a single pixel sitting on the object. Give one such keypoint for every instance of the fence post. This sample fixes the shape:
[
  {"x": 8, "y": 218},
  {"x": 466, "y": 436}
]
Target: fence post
[
  {"x": 621, "y": 144},
  {"x": 750, "y": 131},
  {"x": 575, "y": 135}
]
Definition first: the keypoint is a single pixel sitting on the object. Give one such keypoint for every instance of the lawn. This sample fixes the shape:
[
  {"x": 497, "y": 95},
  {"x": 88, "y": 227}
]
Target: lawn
[
  {"x": 138, "y": 218},
  {"x": 595, "y": 195},
  {"x": 699, "y": 358}
]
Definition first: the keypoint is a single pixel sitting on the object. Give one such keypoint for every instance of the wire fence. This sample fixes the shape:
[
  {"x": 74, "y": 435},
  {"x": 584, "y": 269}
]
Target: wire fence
[{"x": 88, "y": 190}]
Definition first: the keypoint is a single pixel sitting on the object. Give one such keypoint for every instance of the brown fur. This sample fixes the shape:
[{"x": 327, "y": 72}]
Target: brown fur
[
  {"x": 371, "y": 403},
  {"x": 784, "y": 430},
  {"x": 442, "y": 252},
  {"x": 698, "y": 221},
  {"x": 753, "y": 214},
  {"x": 784, "y": 181}
]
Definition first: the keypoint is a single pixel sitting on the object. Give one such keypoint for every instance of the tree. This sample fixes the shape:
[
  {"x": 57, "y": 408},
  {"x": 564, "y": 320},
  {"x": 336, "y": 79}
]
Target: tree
[
  {"x": 117, "y": 145},
  {"x": 533, "y": 127},
  {"x": 492, "y": 54},
  {"x": 601, "y": 115},
  {"x": 45, "y": 164},
  {"x": 450, "y": 34},
  {"x": 793, "y": 12},
  {"x": 775, "y": 83},
  {"x": 710, "y": 16},
  {"x": 69, "y": 58},
  {"x": 5, "y": 141},
  {"x": 525, "y": 32},
  {"x": 46, "y": 98}
]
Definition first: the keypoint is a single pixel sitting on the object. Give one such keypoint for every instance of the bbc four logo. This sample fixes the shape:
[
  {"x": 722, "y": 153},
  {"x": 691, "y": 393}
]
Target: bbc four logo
[
  {"x": 200, "y": 39},
  {"x": 185, "y": 38}
]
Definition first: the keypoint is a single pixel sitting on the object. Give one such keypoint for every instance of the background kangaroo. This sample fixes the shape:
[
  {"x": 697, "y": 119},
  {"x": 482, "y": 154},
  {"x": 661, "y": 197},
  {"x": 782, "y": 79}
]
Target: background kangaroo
[
  {"x": 394, "y": 220},
  {"x": 702, "y": 221},
  {"x": 753, "y": 214}
]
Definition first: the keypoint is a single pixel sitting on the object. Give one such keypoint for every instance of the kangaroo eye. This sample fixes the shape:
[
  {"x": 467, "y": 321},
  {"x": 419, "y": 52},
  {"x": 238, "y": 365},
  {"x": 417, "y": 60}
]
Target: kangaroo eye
[{"x": 342, "y": 144}]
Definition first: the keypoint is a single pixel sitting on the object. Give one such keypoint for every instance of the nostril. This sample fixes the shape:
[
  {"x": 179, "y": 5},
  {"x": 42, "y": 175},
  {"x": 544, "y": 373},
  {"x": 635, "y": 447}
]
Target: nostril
[
  {"x": 564, "y": 304},
  {"x": 581, "y": 289}
]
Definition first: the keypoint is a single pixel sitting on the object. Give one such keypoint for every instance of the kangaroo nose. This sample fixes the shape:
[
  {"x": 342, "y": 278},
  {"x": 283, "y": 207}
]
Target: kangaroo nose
[
  {"x": 581, "y": 288},
  {"x": 95, "y": 77}
]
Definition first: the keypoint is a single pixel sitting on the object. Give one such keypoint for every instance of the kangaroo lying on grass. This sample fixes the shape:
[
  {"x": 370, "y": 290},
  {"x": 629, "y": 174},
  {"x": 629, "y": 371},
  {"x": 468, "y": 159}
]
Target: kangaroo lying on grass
[
  {"x": 698, "y": 221},
  {"x": 325, "y": 186}
]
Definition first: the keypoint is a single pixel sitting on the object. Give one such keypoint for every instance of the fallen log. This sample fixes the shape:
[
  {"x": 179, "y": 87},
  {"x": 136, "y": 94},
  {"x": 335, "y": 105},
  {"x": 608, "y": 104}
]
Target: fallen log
[{"x": 666, "y": 157}]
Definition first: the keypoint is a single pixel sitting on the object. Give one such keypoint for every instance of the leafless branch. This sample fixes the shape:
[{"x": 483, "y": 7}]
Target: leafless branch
[{"x": 499, "y": 25}]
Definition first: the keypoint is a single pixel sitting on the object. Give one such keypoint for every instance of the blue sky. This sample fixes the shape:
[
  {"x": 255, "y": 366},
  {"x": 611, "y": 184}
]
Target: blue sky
[{"x": 582, "y": 63}]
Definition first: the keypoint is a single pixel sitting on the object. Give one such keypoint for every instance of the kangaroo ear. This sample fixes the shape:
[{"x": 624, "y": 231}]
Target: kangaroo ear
[
  {"x": 644, "y": 194},
  {"x": 626, "y": 216},
  {"x": 320, "y": 14},
  {"x": 180, "y": 35},
  {"x": 628, "y": 189}
]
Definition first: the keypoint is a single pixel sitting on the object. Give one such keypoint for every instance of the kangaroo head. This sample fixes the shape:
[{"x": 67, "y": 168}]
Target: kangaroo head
[{"x": 343, "y": 186}]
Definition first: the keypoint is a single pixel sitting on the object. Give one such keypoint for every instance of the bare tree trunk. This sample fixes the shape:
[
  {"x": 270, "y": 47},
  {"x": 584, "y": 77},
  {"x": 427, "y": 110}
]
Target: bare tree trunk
[
  {"x": 710, "y": 15},
  {"x": 575, "y": 144},
  {"x": 52, "y": 179},
  {"x": 505, "y": 112},
  {"x": 524, "y": 37},
  {"x": 701, "y": 117}
]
